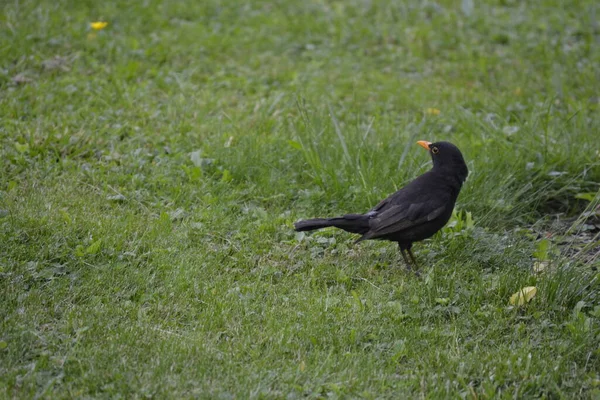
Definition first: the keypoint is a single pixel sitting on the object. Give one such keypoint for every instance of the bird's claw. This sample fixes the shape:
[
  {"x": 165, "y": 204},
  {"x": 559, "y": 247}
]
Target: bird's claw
[{"x": 414, "y": 271}]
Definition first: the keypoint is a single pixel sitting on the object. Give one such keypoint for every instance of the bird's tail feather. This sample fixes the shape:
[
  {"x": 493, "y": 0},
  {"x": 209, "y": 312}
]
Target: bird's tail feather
[{"x": 354, "y": 223}]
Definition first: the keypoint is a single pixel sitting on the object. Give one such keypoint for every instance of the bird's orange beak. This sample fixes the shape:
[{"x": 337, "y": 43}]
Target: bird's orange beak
[{"x": 423, "y": 143}]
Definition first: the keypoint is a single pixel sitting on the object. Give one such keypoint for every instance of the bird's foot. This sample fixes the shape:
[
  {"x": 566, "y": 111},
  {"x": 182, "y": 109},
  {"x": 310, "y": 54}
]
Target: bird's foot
[{"x": 417, "y": 273}]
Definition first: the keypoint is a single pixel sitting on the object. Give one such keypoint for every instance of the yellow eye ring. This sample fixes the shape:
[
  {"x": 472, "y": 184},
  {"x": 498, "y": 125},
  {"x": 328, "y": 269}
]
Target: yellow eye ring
[{"x": 435, "y": 150}]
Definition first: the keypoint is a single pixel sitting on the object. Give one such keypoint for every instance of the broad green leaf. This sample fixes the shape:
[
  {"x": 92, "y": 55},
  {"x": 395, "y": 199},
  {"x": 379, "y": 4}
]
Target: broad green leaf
[
  {"x": 94, "y": 247},
  {"x": 295, "y": 144}
]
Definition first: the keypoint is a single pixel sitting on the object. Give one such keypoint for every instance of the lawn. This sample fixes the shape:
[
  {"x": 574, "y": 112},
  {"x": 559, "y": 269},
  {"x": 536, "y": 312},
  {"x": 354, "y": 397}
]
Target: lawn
[{"x": 151, "y": 172}]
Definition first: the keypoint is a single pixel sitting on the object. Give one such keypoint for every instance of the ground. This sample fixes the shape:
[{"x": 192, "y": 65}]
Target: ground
[{"x": 151, "y": 172}]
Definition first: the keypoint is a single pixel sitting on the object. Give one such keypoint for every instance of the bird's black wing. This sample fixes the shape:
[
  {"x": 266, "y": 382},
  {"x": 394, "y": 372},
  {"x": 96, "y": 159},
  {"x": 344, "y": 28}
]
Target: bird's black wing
[
  {"x": 422, "y": 200},
  {"x": 394, "y": 218}
]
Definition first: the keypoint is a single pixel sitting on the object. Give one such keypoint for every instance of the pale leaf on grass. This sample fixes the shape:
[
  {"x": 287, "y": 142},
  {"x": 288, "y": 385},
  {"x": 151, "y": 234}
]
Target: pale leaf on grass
[
  {"x": 540, "y": 266},
  {"x": 198, "y": 160},
  {"x": 523, "y": 296},
  {"x": 510, "y": 130},
  {"x": 116, "y": 197},
  {"x": 467, "y": 7}
]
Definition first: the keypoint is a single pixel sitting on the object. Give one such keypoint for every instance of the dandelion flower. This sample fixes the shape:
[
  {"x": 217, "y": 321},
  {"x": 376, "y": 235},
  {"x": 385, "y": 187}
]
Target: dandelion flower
[
  {"x": 97, "y": 26},
  {"x": 432, "y": 111}
]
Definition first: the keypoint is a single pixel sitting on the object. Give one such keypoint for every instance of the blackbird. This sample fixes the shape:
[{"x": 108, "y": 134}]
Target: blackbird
[{"x": 413, "y": 213}]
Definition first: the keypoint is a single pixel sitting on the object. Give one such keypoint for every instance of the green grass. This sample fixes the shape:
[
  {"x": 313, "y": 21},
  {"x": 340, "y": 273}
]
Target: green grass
[{"x": 150, "y": 174}]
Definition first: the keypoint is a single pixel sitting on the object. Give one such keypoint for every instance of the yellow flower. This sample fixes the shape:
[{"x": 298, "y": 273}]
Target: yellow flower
[
  {"x": 98, "y": 25},
  {"x": 523, "y": 296},
  {"x": 518, "y": 91},
  {"x": 432, "y": 111}
]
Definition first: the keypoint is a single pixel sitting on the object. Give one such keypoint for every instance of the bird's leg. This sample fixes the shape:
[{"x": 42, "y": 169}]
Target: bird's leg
[
  {"x": 412, "y": 258},
  {"x": 409, "y": 264},
  {"x": 406, "y": 260}
]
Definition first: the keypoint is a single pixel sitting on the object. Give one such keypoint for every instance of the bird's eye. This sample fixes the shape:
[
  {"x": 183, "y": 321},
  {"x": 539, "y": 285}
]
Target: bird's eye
[{"x": 435, "y": 150}]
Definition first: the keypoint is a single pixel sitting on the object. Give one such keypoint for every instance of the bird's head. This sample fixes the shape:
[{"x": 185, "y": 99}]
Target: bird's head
[{"x": 446, "y": 156}]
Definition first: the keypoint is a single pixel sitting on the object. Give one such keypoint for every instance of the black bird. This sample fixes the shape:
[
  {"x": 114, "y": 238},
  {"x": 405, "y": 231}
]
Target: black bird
[{"x": 413, "y": 213}]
